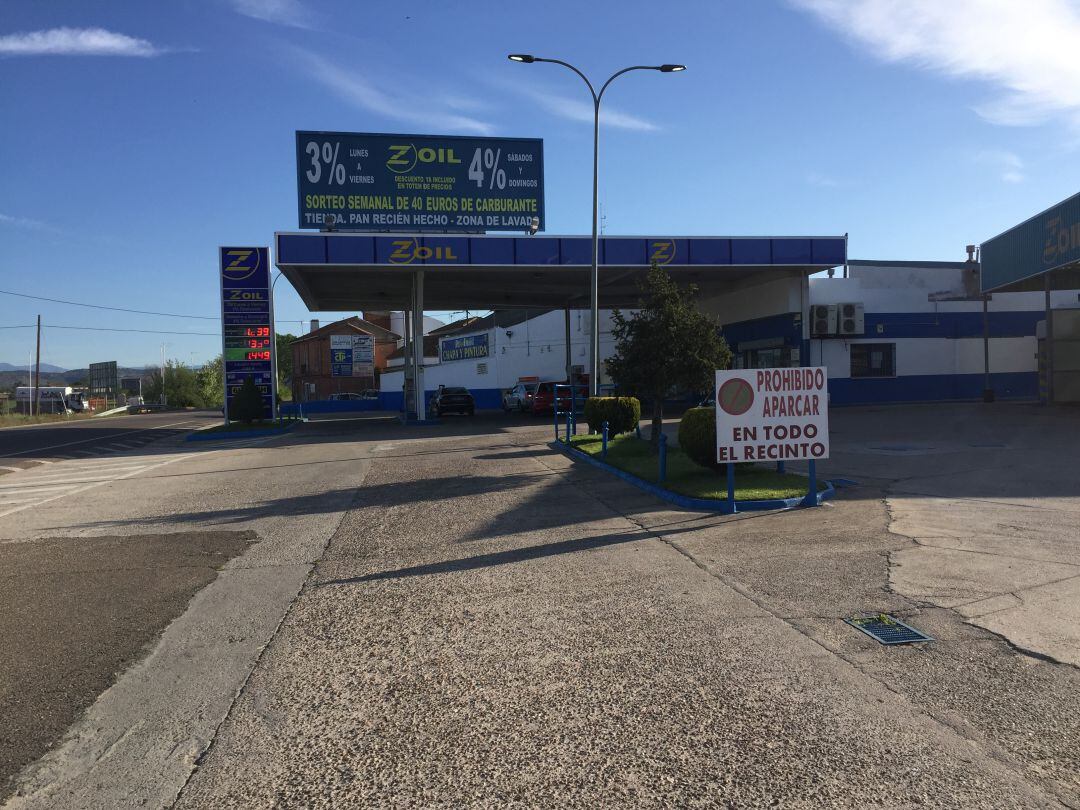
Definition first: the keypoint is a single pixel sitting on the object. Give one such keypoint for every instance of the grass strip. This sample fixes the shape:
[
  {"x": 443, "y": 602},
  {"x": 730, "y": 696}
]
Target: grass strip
[{"x": 639, "y": 457}]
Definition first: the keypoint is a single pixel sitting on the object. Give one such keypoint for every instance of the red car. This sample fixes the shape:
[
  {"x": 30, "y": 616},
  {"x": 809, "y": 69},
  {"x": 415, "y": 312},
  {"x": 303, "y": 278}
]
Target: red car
[{"x": 543, "y": 395}]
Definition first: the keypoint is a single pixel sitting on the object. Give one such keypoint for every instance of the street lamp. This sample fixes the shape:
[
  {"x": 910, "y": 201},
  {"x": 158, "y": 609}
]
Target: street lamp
[{"x": 528, "y": 59}]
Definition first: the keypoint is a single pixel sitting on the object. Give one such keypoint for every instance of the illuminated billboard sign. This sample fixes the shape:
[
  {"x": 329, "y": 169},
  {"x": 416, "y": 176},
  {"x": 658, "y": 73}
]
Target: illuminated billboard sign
[
  {"x": 247, "y": 323},
  {"x": 360, "y": 181}
]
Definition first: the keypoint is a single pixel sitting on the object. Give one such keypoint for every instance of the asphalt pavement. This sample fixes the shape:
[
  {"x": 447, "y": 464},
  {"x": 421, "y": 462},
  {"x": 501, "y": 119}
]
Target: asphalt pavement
[
  {"x": 93, "y": 437},
  {"x": 76, "y": 612}
]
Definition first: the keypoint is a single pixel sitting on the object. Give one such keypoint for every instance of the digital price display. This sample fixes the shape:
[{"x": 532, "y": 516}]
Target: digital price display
[{"x": 247, "y": 318}]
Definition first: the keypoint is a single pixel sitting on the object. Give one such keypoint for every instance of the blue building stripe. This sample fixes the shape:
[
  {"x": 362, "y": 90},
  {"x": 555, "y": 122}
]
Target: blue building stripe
[{"x": 931, "y": 388}]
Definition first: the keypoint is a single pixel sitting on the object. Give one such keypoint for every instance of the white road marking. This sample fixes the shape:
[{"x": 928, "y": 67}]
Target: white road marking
[
  {"x": 80, "y": 475},
  {"x": 29, "y": 488},
  {"x": 96, "y": 439}
]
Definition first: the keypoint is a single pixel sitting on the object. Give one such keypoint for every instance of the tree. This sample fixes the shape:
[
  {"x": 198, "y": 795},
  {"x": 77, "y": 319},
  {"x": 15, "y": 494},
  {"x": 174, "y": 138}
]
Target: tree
[
  {"x": 181, "y": 386},
  {"x": 212, "y": 383},
  {"x": 667, "y": 344},
  {"x": 284, "y": 365},
  {"x": 247, "y": 404}
]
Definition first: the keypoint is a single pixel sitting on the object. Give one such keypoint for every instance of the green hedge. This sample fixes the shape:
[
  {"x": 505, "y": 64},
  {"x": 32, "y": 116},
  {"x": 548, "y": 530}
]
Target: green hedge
[
  {"x": 697, "y": 436},
  {"x": 621, "y": 413}
]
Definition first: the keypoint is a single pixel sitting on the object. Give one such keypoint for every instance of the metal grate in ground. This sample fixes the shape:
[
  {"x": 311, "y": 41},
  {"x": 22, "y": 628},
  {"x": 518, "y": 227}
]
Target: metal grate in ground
[{"x": 887, "y": 629}]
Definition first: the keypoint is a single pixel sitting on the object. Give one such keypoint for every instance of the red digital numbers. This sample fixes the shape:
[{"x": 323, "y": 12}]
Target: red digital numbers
[
  {"x": 257, "y": 344},
  {"x": 257, "y": 356},
  {"x": 258, "y": 331}
]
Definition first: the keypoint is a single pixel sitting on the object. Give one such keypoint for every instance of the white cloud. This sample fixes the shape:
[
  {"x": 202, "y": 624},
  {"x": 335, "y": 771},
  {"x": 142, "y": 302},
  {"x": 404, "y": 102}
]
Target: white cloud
[
  {"x": 75, "y": 42},
  {"x": 25, "y": 223},
  {"x": 282, "y": 12},
  {"x": 821, "y": 180},
  {"x": 401, "y": 106},
  {"x": 1009, "y": 164},
  {"x": 1027, "y": 49},
  {"x": 582, "y": 110}
]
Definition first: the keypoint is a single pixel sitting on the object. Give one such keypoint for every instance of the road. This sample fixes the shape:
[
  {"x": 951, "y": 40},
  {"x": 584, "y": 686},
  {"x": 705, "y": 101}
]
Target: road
[
  {"x": 459, "y": 615},
  {"x": 83, "y": 438}
]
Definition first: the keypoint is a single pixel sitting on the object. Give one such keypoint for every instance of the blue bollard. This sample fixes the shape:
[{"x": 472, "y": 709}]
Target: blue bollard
[
  {"x": 569, "y": 425},
  {"x": 555, "y": 410},
  {"x": 663, "y": 458},
  {"x": 603, "y": 439},
  {"x": 780, "y": 467}
]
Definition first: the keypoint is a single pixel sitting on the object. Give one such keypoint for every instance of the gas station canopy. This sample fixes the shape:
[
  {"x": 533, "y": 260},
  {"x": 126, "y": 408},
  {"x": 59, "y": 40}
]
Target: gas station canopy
[{"x": 354, "y": 271}]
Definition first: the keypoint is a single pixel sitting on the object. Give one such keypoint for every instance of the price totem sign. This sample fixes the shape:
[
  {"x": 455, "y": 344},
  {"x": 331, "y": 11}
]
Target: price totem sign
[
  {"x": 247, "y": 324},
  {"x": 772, "y": 414}
]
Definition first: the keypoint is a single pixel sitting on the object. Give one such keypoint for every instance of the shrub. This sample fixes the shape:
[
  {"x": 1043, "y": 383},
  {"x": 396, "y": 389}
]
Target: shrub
[
  {"x": 697, "y": 436},
  {"x": 621, "y": 413},
  {"x": 247, "y": 405}
]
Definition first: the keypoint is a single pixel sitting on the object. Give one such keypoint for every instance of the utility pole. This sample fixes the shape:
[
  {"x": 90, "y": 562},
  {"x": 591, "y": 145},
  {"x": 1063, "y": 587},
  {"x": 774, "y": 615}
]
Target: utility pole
[
  {"x": 164, "y": 399},
  {"x": 36, "y": 409}
]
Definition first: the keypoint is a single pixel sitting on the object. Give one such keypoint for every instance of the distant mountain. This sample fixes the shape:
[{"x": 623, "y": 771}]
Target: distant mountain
[{"x": 49, "y": 367}]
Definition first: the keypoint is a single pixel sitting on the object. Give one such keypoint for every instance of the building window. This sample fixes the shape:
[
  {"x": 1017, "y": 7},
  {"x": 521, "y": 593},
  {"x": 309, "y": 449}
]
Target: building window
[{"x": 873, "y": 360}]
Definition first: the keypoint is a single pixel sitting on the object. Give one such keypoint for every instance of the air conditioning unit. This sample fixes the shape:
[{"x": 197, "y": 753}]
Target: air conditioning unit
[
  {"x": 851, "y": 319},
  {"x": 822, "y": 320}
]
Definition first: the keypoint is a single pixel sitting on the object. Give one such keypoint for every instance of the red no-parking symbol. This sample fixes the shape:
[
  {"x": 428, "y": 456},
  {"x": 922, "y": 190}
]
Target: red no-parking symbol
[{"x": 735, "y": 396}]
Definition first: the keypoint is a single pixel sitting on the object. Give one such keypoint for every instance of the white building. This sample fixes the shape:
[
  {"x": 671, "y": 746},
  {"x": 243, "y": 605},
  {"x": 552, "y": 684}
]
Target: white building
[{"x": 913, "y": 332}]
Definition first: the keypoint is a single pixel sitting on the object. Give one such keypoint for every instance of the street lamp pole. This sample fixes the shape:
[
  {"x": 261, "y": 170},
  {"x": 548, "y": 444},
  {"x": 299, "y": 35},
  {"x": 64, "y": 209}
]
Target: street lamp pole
[{"x": 594, "y": 275}]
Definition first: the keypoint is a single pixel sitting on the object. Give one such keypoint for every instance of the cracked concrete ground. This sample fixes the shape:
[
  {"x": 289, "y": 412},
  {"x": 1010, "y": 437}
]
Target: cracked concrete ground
[
  {"x": 989, "y": 496},
  {"x": 495, "y": 626},
  {"x": 459, "y": 616}
]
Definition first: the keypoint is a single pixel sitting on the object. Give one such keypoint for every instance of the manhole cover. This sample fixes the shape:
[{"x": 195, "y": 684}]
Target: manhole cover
[{"x": 887, "y": 629}]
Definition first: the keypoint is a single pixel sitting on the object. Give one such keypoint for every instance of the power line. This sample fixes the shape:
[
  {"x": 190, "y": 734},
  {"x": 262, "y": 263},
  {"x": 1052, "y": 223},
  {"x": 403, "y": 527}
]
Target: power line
[
  {"x": 110, "y": 329},
  {"x": 113, "y": 309}
]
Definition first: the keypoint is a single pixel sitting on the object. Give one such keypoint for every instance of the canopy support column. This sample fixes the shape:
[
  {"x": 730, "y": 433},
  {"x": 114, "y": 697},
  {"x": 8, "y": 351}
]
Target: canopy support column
[
  {"x": 569, "y": 359},
  {"x": 1049, "y": 343},
  {"x": 418, "y": 344}
]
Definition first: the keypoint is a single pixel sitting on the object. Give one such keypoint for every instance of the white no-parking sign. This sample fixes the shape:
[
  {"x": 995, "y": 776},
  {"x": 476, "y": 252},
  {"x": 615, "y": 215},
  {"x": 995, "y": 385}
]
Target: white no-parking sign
[{"x": 772, "y": 414}]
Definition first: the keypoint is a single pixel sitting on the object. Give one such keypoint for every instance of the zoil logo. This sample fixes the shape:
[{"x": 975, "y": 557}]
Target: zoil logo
[
  {"x": 404, "y": 157},
  {"x": 662, "y": 251},
  {"x": 406, "y": 251},
  {"x": 242, "y": 263}
]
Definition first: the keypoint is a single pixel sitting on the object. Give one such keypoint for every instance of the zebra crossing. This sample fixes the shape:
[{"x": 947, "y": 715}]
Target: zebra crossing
[
  {"x": 30, "y": 488},
  {"x": 59, "y": 478}
]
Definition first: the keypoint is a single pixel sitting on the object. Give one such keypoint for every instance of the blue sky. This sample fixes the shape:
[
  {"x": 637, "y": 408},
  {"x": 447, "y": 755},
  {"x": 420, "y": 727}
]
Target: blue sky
[{"x": 140, "y": 136}]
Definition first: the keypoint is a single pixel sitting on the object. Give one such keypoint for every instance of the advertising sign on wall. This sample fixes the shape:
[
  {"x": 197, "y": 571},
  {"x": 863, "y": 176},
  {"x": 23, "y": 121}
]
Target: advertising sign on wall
[
  {"x": 361, "y": 181},
  {"x": 472, "y": 347},
  {"x": 352, "y": 356},
  {"x": 247, "y": 323},
  {"x": 772, "y": 414}
]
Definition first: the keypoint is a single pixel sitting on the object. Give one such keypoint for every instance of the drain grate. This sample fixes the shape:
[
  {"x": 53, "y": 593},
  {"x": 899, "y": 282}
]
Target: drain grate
[{"x": 887, "y": 629}]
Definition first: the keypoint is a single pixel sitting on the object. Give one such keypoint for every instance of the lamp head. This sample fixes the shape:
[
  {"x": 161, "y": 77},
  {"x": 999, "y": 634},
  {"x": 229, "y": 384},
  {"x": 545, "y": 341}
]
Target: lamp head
[
  {"x": 528, "y": 59},
  {"x": 672, "y": 68}
]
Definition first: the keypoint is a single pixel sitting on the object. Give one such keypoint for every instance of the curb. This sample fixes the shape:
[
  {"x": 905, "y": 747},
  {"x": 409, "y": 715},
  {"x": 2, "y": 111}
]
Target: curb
[
  {"x": 685, "y": 501},
  {"x": 202, "y": 435}
]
